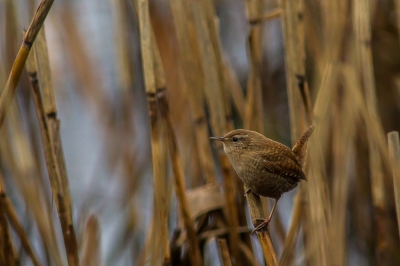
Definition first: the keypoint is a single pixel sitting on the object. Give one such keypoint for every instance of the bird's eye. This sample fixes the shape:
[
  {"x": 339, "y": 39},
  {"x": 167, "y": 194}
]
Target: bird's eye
[{"x": 235, "y": 139}]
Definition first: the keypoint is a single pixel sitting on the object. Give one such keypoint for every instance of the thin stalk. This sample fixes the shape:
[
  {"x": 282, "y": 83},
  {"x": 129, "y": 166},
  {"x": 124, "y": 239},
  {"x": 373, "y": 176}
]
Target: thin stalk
[
  {"x": 364, "y": 63},
  {"x": 215, "y": 91},
  {"x": 180, "y": 186},
  {"x": 151, "y": 77},
  {"x": 394, "y": 153},
  {"x": 12, "y": 216},
  {"x": 53, "y": 153},
  {"x": 187, "y": 41},
  {"x": 256, "y": 211},
  {"x": 9, "y": 91}
]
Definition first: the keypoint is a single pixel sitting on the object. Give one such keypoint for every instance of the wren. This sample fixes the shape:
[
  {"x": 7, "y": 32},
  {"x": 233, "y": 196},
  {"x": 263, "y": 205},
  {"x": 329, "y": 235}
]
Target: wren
[{"x": 268, "y": 168}]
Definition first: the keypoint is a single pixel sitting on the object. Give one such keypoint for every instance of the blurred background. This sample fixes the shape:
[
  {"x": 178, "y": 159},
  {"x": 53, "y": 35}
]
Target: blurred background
[{"x": 271, "y": 66}]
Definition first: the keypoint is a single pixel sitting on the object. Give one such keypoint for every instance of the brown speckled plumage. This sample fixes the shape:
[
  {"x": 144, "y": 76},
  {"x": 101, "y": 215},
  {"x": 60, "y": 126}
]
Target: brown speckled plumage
[{"x": 268, "y": 168}]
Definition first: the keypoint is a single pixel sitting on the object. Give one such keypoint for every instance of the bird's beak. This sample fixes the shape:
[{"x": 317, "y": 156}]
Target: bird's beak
[{"x": 218, "y": 138}]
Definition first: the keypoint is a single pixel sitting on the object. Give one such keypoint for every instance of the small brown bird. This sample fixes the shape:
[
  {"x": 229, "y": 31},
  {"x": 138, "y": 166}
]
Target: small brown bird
[{"x": 268, "y": 168}]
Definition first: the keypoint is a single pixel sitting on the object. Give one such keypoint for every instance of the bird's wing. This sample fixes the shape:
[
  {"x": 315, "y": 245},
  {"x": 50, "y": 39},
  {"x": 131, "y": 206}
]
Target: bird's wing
[{"x": 283, "y": 165}]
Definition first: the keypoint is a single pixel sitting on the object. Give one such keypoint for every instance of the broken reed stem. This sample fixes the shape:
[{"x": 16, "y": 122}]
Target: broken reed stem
[
  {"x": 12, "y": 216},
  {"x": 394, "y": 154},
  {"x": 29, "y": 37},
  {"x": 180, "y": 186},
  {"x": 224, "y": 252},
  {"x": 52, "y": 151}
]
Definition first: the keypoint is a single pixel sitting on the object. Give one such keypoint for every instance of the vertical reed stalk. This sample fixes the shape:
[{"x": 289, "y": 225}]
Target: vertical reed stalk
[
  {"x": 362, "y": 30},
  {"x": 394, "y": 153},
  {"x": 50, "y": 133},
  {"x": 149, "y": 67},
  {"x": 187, "y": 41}
]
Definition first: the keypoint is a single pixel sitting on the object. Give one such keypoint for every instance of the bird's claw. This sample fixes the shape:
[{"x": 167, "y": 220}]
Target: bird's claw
[{"x": 264, "y": 223}]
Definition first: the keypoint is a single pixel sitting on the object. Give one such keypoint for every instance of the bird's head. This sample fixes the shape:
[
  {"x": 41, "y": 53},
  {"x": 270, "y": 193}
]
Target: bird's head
[{"x": 239, "y": 140}]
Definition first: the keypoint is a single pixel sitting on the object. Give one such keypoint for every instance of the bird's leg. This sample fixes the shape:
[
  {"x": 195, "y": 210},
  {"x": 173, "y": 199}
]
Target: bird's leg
[
  {"x": 265, "y": 222},
  {"x": 247, "y": 191}
]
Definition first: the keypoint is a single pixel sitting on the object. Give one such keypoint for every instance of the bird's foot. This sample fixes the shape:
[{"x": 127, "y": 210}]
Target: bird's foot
[{"x": 264, "y": 223}]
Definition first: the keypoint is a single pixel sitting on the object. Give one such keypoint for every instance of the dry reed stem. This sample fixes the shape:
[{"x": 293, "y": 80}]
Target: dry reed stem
[
  {"x": 394, "y": 154},
  {"x": 254, "y": 109},
  {"x": 224, "y": 252},
  {"x": 233, "y": 222},
  {"x": 299, "y": 106},
  {"x": 91, "y": 251},
  {"x": 46, "y": 80},
  {"x": 152, "y": 75},
  {"x": 189, "y": 65},
  {"x": 343, "y": 137},
  {"x": 213, "y": 82},
  {"x": 256, "y": 211},
  {"x": 160, "y": 85},
  {"x": 254, "y": 119},
  {"x": 315, "y": 226},
  {"x": 50, "y": 109},
  {"x": 50, "y": 134},
  {"x": 32, "y": 193},
  {"x": 124, "y": 66},
  {"x": 8, "y": 93},
  {"x": 215, "y": 93},
  {"x": 180, "y": 186},
  {"x": 295, "y": 65},
  {"x": 164, "y": 238},
  {"x": 13, "y": 218},
  {"x": 10, "y": 35},
  {"x": 235, "y": 90},
  {"x": 364, "y": 63}
]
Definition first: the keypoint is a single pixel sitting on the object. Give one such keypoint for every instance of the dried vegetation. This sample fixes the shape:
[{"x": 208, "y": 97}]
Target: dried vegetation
[{"x": 171, "y": 197}]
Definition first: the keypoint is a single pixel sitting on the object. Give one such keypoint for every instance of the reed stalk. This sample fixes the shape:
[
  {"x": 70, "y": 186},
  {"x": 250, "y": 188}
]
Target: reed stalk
[
  {"x": 8, "y": 93},
  {"x": 394, "y": 153}
]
